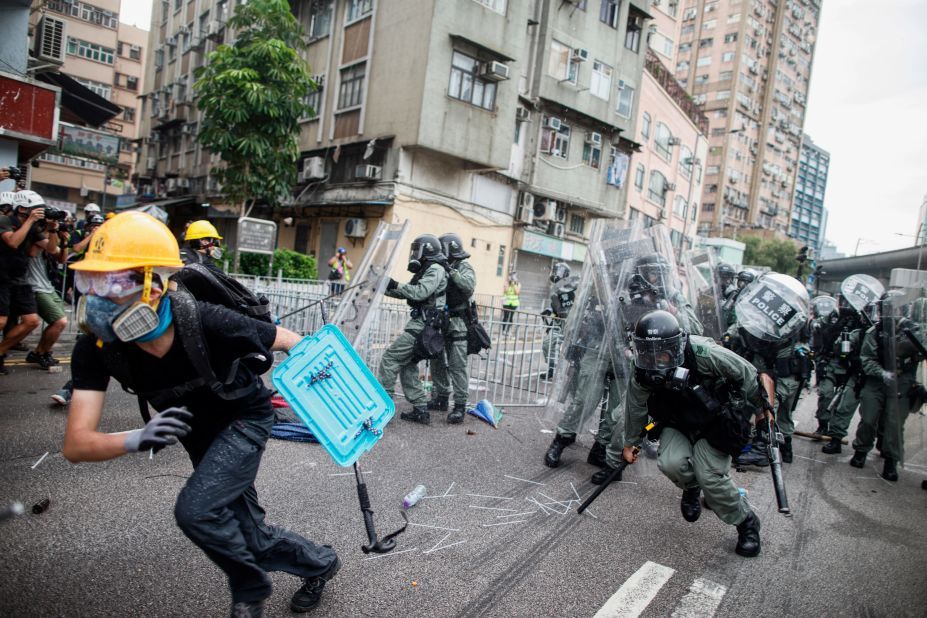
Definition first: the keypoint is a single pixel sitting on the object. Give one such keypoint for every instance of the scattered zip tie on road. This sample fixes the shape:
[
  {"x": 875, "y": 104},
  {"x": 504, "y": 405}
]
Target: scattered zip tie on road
[
  {"x": 523, "y": 480},
  {"x": 505, "y": 523},
  {"x": 491, "y": 508},
  {"x": 810, "y": 459},
  {"x": 41, "y": 459},
  {"x": 444, "y": 547},
  {"x": 517, "y": 514},
  {"x": 493, "y": 497},
  {"x": 433, "y": 527},
  {"x": 392, "y": 553},
  {"x": 565, "y": 504}
]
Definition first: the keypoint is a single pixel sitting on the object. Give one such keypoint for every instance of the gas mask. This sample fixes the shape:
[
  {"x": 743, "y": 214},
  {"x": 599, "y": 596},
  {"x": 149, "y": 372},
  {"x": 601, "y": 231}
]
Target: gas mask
[
  {"x": 108, "y": 320},
  {"x": 671, "y": 378}
]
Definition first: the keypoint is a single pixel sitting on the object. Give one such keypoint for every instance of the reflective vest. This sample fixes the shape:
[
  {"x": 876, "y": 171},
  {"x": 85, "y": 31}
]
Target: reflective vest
[{"x": 510, "y": 298}]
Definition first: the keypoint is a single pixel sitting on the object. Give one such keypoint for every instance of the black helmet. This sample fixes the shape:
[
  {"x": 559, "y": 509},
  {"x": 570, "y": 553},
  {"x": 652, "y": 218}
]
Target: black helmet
[
  {"x": 559, "y": 271},
  {"x": 95, "y": 220},
  {"x": 452, "y": 246},
  {"x": 426, "y": 248},
  {"x": 655, "y": 269},
  {"x": 745, "y": 278},
  {"x": 659, "y": 349},
  {"x": 726, "y": 271}
]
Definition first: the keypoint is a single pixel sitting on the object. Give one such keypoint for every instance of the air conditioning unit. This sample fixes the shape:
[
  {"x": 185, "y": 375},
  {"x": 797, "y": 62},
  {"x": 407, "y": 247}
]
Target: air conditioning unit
[
  {"x": 171, "y": 184},
  {"x": 368, "y": 172},
  {"x": 622, "y": 84},
  {"x": 50, "y": 36},
  {"x": 555, "y": 229},
  {"x": 183, "y": 183},
  {"x": 525, "y": 200},
  {"x": 494, "y": 71},
  {"x": 673, "y": 141},
  {"x": 561, "y": 214},
  {"x": 213, "y": 186},
  {"x": 552, "y": 123},
  {"x": 172, "y": 41},
  {"x": 670, "y": 186},
  {"x": 355, "y": 228},
  {"x": 313, "y": 169},
  {"x": 580, "y": 54},
  {"x": 197, "y": 42},
  {"x": 594, "y": 138},
  {"x": 525, "y": 214},
  {"x": 545, "y": 210},
  {"x": 522, "y": 114},
  {"x": 186, "y": 129},
  {"x": 213, "y": 28},
  {"x": 151, "y": 163}
]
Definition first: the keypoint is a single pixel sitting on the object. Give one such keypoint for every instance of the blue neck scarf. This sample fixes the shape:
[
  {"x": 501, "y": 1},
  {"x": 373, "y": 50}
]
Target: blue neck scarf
[{"x": 165, "y": 318}]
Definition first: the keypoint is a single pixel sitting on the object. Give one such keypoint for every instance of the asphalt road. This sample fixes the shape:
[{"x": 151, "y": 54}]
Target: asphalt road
[{"x": 480, "y": 545}]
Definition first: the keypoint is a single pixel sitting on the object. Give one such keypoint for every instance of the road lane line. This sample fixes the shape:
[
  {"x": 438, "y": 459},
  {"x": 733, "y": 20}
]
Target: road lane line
[
  {"x": 636, "y": 592},
  {"x": 702, "y": 601}
]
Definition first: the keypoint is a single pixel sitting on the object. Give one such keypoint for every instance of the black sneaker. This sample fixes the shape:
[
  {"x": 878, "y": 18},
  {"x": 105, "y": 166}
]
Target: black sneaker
[
  {"x": 51, "y": 360},
  {"x": 34, "y": 357},
  {"x": 248, "y": 610},
  {"x": 309, "y": 595}
]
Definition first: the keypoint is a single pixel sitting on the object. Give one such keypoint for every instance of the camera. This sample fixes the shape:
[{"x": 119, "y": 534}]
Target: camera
[{"x": 55, "y": 214}]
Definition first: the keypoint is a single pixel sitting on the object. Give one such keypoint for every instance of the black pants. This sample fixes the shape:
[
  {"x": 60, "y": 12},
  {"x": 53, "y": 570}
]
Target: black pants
[
  {"x": 508, "y": 312},
  {"x": 218, "y": 510}
]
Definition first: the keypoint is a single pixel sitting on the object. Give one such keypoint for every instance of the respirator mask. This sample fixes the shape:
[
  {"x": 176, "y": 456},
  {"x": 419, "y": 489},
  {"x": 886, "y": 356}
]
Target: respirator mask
[{"x": 136, "y": 320}]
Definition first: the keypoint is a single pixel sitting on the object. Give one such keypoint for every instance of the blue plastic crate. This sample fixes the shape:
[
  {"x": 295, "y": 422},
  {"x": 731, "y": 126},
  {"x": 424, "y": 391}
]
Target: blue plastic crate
[{"x": 334, "y": 393}]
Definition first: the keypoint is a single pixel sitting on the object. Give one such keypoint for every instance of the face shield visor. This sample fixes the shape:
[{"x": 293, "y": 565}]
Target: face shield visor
[{"x": 416, "y": 257}]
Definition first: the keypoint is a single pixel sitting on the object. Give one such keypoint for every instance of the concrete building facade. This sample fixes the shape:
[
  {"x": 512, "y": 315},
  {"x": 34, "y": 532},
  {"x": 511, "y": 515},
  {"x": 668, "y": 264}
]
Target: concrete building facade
[
  {"x": 809, "y": 217},
  {"x": 921, "y": 232},
  {"x": 749, "y": 63},
  {"x": 108, "y": 58}
]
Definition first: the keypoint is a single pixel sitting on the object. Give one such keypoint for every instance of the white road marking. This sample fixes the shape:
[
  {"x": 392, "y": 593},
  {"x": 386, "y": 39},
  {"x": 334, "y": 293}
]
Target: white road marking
[
  {"x": 636, "y": 592},
  {"x": 702, "y": 601}
]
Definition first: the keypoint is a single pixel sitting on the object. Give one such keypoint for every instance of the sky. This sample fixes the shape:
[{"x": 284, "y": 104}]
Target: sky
[{"x": 867, "y": 107}]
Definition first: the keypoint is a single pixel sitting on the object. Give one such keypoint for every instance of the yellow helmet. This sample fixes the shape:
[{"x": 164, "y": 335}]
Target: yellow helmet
[
  {"x": 201, "y": 229},
  {"x": 131, "y": 240}
]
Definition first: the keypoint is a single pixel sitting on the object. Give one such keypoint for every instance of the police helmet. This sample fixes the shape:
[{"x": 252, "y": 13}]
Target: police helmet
[
  {"x": 425, "y": 248},
  {"x": 745, "y": 278},
  {"x": 726, "y": 271},
  {"x": 559, "y": 271},
  {"x": 655, "y": 269},
  {"x": 452, "y": 246},
  {"x": 659, "y": 347}
]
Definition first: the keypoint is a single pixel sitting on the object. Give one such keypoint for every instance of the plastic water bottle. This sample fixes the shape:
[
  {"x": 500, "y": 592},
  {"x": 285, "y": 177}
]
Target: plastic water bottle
[
  {"x": 413, "y": 497},
  {"x": 742, "y": 492}
]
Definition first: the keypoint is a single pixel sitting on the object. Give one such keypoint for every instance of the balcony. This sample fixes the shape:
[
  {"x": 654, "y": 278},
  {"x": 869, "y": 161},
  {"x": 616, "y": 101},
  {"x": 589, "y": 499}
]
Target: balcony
[{"x": 666, "y": 80}]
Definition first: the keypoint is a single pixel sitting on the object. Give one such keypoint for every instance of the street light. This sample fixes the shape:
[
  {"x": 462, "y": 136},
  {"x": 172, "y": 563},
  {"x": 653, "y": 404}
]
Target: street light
[
  {"x": 859, "y": 240},
  {"x": 917, "y": 243}
]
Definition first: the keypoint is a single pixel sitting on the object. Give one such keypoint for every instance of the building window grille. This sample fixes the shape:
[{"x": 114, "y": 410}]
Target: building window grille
[
  {"x": 466, "y": 85},
  {"x": 351, "y": 91}
]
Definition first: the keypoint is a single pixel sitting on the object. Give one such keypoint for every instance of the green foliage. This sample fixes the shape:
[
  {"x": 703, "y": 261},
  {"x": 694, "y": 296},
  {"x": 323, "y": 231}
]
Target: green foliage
[
  {"x": 778, "y": 255},
  {"x": 294, "y": 265},
  {"x": 252, "y": 95}
]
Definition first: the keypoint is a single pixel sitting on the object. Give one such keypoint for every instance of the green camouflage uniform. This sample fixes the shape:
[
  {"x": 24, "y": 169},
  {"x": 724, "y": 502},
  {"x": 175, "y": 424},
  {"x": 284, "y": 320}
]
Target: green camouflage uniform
[
  {"x": 399, "y": 358},
  {"x": 462, "y": 278},
  {"x": 694, "y": 463},
  {"x": 845, "y": 406}
]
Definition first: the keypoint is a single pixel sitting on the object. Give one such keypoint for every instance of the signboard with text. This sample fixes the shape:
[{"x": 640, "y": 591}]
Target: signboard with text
[
  {"x": 256, "y": 235},
  {"x": 84, "y": 142}
]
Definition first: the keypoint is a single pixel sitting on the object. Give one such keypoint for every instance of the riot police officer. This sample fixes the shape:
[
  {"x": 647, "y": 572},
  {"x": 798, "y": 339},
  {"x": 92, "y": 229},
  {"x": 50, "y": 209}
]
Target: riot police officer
[
  {"x": 702, "y": 396},
  {"x": 562, "y": 297},
  {"x": 461, "y": 281},
  {"x": 655, "y": 281},
  {"x": 725, "y": 274},
  {"x": 425, "y": 294}
]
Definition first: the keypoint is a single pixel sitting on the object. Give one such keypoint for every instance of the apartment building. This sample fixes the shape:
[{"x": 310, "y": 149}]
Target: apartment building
[
  {"x": 748, "y": 62},
  {"x": 921, "y": 231},
  {"x": 668, "y": 170},
  {"x": 809, "y": 217},
  {"x": 92, "y": 163}
]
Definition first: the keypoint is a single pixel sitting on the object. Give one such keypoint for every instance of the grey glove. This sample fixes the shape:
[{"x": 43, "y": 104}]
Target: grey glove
[
  {"x": 162, "y": 430},
  {"x": 888, "y": 376}
]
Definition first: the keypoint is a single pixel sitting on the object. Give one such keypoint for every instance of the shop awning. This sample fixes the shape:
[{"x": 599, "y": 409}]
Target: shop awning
[{"x": 85, "y": 105}]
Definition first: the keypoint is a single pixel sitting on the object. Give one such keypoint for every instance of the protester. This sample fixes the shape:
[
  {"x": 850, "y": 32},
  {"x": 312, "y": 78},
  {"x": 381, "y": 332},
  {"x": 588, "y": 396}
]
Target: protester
[
  {"x": 510, "y": 301},
  {"x": 142, "y": 336},
  {"x": 202, "y": 244},
  {"x": 340, "y": 273}
]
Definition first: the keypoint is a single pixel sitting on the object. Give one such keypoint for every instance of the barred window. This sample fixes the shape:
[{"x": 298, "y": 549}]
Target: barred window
[{"x": 351, "y": 91}]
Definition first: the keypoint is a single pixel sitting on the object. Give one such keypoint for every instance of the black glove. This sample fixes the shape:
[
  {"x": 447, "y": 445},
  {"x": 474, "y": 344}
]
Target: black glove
[
  {"x": 162, "y": 430},
  {"x": 392, "y": 285}
]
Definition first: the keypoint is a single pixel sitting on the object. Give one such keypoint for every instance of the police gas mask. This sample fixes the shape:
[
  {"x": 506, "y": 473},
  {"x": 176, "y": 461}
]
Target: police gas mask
[
  {"x": 115, "y": 306},
  {"x": 425, "y": 249}
]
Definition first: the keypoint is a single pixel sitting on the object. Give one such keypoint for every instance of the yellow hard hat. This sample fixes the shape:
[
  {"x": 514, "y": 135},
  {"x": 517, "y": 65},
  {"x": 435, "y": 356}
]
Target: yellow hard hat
[
  {"x": 201, "y": 229},
  {"x": 131, "y": 240}
]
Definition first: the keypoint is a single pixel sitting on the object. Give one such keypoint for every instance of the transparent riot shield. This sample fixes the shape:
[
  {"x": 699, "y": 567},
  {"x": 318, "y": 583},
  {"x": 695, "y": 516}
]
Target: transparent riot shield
[
  {"x": 861, "y": 290},
  {"x": 357, "y": 313},
  {"x": 702, "y": 290},
  {"x": 773, "y": 308},
  {"x": 904, "y": 348},
  {"x": 582, "y": 361}
]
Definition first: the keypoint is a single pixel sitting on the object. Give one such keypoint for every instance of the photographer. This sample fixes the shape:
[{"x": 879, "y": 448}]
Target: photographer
[
  {"x": 19, "y": 232},
  {"x": 48, "y": 302}
]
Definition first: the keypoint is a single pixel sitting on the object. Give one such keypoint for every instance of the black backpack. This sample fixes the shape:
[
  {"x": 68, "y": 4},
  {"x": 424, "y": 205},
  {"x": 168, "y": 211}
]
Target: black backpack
[{"x": 211, "y": 285}]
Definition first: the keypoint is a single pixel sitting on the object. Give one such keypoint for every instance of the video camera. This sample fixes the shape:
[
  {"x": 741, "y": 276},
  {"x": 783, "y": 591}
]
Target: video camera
[{"x": 55, "y": 214}]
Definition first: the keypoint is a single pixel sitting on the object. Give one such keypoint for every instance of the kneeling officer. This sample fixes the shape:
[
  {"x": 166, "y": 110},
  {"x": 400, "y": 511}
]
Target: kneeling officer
[
  {"x": 170, "y": 348},
  {"x": 703, "y": 396}
]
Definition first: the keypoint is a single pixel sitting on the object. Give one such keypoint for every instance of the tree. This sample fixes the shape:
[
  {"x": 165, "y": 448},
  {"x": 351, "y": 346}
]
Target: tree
[
  {"x": 252, "y": 95},
  {"x": 778, "y": 255}
]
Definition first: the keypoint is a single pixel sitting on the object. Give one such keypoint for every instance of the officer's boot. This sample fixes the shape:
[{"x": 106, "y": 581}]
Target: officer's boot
[
  {"x": 417, "y": 415},
  {"x": 561, "y": 441},
  {"x": 833, "y": 447},
  {"x": 889, "y": 471},
  {"x": 597, "y": 455},
  {"x": 689, "y": 505},
  {"x": 602, "y": 475},
  {"x": 822, "y": 428},
  {"x": 437, "y": 403},
  {"x": 456, "y": 415},
  {"x": 858, "y": 460},
  {"x": 786, "y": 449},
  {"x": 748, "y": 536}
]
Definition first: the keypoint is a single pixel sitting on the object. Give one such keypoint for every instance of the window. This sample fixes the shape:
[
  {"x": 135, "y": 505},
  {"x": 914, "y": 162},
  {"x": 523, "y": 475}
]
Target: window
[
  {"x": 731, "y": 37},
  {"x": 186, "y": 38},
  {"x": 351, "y": 90},
  {"x": 128, "y": 114},
  {"x": 90, "y": 51},
  {"x": 466, "y": 86},
  {"x": 495, "y": 5},
  {"x": 685, "y": 161},
  {"x": 592, "y": 154},
  {"x": 85, "y": 12},
  {"x": 667, "y": 47},
  {"x": 608, "y": 12},
  {"x": 500, "y": 264},
  {"x": 693, "y": 211},
  {"x": 661, "y": 141},
  {"x": 727, "y": 57},
  {"x": 632, "y": 37},
  {"x": 618, "y": 163},
  {"x": 556, "y": 143},
  {"x": 600, "y": 84},
  {"x": 706, "y": 43},
  {"x": 710, "y": 24},
  {"x": 625, "y": 100},
  {"x": 703, "y": 61},
  {"x": 725, "y": 76},
  {"x": 135, "y": 52},
  {"x": 657, "y": 190},
  {"x": 577, "y": 224},
  {"x": 96, "y": 87},
  {"x": 685, "y": 48},
  {"x": 313, "y": 98},
  {"x": 320, "y": 22},
  {"x": 708, "y": 207},
  {"x": 561, "y": 64},
  {"x": 722, "y": 95},
  {"x": 639, "y": 176},
  {"x": 645, "y": 126},
  {"x": 159, "y": 58},
  {"x": 132, "y": 83},
  {"x": 679, "y": 207},
  {"x": 358, "y": 9}
]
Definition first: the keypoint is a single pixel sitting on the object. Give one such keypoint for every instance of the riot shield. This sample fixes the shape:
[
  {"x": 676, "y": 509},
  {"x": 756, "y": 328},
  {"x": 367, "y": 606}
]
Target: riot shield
[
  {"x": 773, "y": 308},
  {"x": 861, "y": 290},
  {"x": 357, "y": 312},
  {"x": 823, "y": 305},
  {"x": 703, "y": 290}
]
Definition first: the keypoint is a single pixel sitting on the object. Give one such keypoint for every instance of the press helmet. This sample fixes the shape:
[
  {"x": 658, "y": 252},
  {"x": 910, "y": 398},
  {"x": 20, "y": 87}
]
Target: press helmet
[
  {"x": 560, "y": 271},
  {"x": 659, "y": 348},
  {"x": 425, "y": 248},
  {"x": 27, "y": 199},
  {"x": 92, "y": 209},
  {"x": 6, "y": 202},
  {"x": 452, "y": 246}
]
